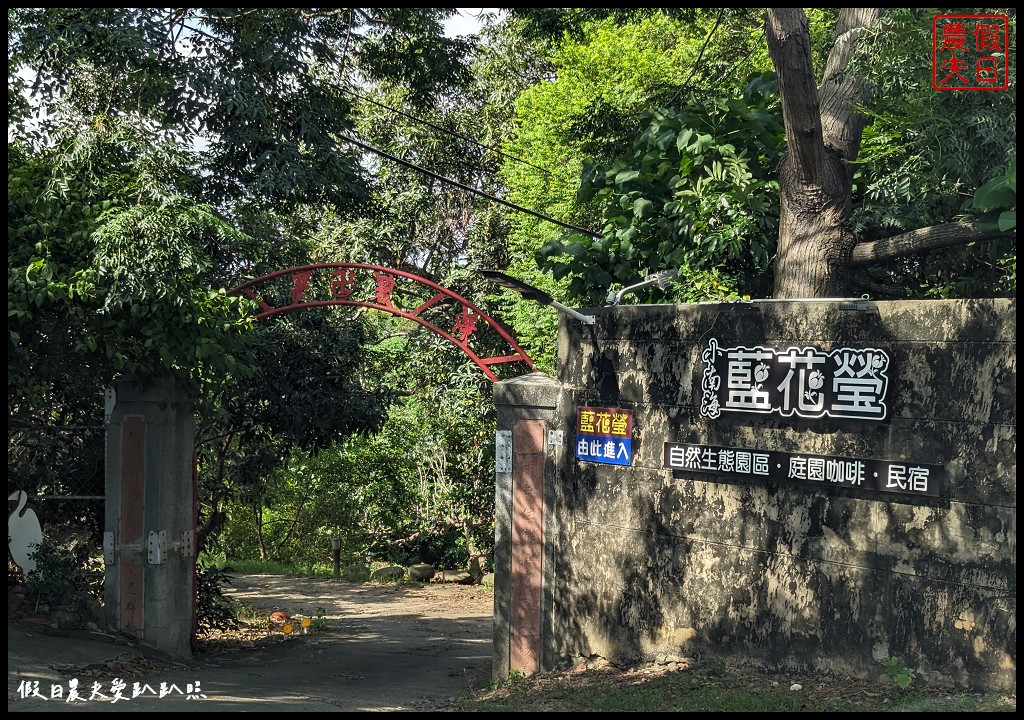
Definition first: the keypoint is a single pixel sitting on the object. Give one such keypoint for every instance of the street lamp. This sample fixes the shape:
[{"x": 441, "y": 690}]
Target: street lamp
[
  {"x": 662, "y": 279},
  {"x": 536, "y": 295}
]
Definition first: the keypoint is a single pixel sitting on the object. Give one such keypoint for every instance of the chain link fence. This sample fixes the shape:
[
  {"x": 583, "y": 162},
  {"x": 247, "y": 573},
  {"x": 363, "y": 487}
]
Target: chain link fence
[{"x": 60, "y": 470}]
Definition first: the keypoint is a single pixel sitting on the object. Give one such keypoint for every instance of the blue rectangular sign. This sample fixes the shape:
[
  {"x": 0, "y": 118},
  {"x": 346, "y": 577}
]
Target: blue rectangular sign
[
  {"x": 604, "y": 435},
  {"x": 608, "y": 450}
]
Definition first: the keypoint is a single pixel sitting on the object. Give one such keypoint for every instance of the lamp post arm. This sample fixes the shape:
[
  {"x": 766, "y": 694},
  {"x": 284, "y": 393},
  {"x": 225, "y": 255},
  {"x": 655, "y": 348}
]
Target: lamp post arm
[
  {"x": 585, "y": 319},
  {"x": 529, "y": 292},
  {"x": 662, "y": 279}
]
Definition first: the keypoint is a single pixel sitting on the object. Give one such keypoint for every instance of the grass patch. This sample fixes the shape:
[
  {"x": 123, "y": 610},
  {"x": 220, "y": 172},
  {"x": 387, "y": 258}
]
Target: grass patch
[
  {"x": 712, "y": 686},
  {"x": 270, "y": 567}
]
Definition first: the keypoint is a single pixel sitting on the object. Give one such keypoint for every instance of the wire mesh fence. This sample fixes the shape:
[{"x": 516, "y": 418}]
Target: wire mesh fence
[
  {"x": 56, "y": 478},
  {"x": 56, "y": 462}
]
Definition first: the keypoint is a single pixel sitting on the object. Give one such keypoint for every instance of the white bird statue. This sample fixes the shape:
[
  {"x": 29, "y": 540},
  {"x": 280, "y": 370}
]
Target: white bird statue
[{"x": 24, "y": 534}]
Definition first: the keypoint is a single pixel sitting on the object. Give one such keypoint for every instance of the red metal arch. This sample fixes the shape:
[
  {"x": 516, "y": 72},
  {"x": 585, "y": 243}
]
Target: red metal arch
[{"x": 394, "y": 291}]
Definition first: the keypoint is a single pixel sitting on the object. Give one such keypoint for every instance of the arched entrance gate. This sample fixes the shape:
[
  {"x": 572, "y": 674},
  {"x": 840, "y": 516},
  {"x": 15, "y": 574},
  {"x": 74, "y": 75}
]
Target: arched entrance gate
[
  {"x": 400, "y": 293},
  {"x": 149, "y": 538}
]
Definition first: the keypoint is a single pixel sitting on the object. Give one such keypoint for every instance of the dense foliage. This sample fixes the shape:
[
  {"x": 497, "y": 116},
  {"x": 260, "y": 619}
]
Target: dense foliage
[
  {"x": 930, "y": 157},
  {"x": 158, "y": 158},
  {"x": 698, "y": 190},
  {"x": 697, "y": 193}
]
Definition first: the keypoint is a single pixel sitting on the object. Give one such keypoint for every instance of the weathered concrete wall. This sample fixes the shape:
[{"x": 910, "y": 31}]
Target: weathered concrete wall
[
  {"x": 149, "y": 552},
  {"x": 645, "y": 559}
]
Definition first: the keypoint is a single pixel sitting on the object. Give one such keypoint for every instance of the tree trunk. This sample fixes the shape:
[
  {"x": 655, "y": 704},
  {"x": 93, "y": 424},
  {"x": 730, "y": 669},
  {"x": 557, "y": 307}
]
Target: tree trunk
[
  {"x": 257, "y": 516},
  {"x": 822, "y": 133},
  {"x": 814, "y": 246}
]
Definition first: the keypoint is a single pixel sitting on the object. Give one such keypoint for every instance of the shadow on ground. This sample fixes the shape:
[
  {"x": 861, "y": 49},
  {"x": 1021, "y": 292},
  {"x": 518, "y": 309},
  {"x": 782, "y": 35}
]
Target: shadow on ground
[{"x": 377, "y": 648}]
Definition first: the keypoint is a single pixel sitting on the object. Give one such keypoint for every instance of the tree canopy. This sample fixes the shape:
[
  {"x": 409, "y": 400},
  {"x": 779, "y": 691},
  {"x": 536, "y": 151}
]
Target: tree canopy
[
  {"x": 694, "y": 188},
  {"x": 159, "y": 157}
]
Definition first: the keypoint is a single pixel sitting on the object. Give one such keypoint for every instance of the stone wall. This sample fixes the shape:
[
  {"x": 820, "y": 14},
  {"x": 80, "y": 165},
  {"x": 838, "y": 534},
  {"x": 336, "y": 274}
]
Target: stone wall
[{"x": 647, "y": 558}]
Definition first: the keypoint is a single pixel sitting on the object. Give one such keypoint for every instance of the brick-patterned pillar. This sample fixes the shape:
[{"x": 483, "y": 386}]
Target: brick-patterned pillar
[
  {"x": 527, "y": 545},
  {"x": 132, "y": 541},
  {"x": 150, "y": 515},
  {"x": 525, "y": 463}
]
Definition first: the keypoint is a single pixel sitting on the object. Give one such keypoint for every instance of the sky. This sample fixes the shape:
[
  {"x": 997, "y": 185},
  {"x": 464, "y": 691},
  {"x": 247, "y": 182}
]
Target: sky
[{"x": 465, "y": 22}]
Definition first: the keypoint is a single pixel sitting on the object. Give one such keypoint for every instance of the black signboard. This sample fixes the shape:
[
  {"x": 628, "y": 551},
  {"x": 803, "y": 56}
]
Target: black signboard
[
  {"x": 892, "y": 476},
  {"x": 804, "y": 381}
]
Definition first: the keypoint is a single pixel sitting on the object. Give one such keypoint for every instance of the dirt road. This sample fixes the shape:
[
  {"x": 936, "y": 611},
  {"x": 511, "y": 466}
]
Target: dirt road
[{"x": 377, "y": 648}]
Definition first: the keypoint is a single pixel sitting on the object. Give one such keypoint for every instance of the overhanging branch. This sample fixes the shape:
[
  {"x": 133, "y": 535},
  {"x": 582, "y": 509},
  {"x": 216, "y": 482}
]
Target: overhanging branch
[
  {"x": 880, "y": 291},
  {"x": 920, "y": 240}
]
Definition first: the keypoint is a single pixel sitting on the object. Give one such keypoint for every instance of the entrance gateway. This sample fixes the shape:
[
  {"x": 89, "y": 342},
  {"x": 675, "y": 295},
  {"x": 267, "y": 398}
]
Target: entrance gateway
[
  {"x": 151, "y": 486},
  {"x": 485, "y": 341},
  {"x": 839, "y": 569}
]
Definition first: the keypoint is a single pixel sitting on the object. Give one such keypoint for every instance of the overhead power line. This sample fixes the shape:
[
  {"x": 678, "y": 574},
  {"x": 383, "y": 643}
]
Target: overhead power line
[
  {"x": 467, "y": 188},
  {"x": 445, "y": 130}
]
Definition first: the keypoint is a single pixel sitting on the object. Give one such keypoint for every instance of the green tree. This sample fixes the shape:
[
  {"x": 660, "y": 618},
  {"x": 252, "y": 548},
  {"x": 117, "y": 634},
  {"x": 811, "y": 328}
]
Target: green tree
[
  {"x": 264, "y": 89},
  {"x": 697, "y": 194},
  {"x": 306, "y": 392},
  {"x": 601, "y": 74},
  {"x": 163, "y": 156},
  {"x": 899, "y": 219},
  {"x": 418, "y": 488},
  {"x": 451, "y": 423},
  {"x": 817, "y": 249},
  {"x": 105, "y": 267},
  {"x": 927, "y": 158},
  {"x": 426, "y": 225}
]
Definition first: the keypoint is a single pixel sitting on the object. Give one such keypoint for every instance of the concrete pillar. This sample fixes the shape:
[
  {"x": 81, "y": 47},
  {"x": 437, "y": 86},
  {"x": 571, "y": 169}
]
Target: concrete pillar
[
  {"x": 149, "y": 533},
  {"x": 528, "y": 454}
]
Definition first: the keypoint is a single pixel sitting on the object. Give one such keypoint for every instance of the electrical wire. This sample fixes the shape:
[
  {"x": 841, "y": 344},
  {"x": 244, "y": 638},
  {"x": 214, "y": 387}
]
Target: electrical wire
[
  {"x": 467, "y": 188},
  {"x": 405, "y": 163},
  {"x": 445, "y": 130},
  {"x": 707, "y": 41}
]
